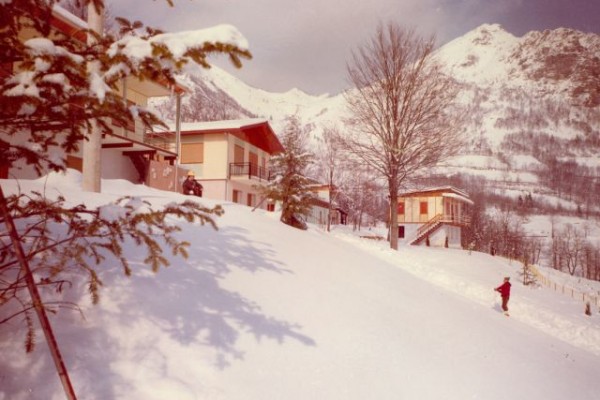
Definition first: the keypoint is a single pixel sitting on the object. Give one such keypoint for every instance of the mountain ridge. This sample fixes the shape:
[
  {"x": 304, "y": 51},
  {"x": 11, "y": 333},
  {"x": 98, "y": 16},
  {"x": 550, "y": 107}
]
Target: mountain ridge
[{"x": 533, "y": 101}]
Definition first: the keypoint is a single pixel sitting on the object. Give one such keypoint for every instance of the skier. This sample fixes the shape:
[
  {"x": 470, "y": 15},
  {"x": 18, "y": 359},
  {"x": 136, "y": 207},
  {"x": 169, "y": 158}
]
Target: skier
[{"x": 504, "y": 291}]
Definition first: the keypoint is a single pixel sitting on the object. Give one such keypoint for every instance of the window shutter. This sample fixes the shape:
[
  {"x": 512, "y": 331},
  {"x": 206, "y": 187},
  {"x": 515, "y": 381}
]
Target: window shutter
[{"x": 192, "y": 153}]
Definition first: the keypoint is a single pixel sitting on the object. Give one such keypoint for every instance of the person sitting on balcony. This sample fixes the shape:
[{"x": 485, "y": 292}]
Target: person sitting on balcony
[{"x": 191, "y": 186}]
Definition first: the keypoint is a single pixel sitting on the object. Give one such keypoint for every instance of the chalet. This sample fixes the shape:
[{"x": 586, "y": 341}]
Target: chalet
[
  {"x": 435, "y": 216},
  {"x": 128, "y": 152},
  {"x": 320, "y": 207},
  {"x": 230, "y": 158}
]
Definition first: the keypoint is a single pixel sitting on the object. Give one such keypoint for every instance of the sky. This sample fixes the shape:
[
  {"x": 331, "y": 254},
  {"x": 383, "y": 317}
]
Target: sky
[
  {"x": 305, "y": 44},
  {"x": 262, "y": 311}
]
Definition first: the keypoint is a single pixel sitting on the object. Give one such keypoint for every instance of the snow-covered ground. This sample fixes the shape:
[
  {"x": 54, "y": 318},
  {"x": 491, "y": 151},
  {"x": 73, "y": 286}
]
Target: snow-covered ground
[{"x": 263, "y": 311}]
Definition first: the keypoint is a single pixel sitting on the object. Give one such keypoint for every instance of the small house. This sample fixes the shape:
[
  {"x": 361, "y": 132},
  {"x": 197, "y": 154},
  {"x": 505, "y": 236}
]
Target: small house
[
  {"x": 434, "y": 216},
  {"x": 320, "y": 208},
  {"x": 230, "y": 159}
]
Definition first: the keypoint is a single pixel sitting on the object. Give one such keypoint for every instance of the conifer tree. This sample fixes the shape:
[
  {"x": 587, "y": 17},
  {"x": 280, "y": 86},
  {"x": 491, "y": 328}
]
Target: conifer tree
[
  {"x": 52, "y": 96},
  {"x": 290, "y": 186},
  {"x": 47, "y": 99}
]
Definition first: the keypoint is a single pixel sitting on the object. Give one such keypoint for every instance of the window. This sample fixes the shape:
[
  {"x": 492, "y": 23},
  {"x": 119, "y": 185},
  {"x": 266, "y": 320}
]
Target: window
[
  {"x": 253, "y": 158},
  {"x": 237, "y": 196},
  {"x": 192, "y": 153},
  {"x": 75, "y": 163},
  {"x": 423, "y": 207},
  {"x": 250, "y": 199},
  {"x": 401, "y": 208},
  {"x": 238, "y": 154},
  {"x": 401, "y": 232}
]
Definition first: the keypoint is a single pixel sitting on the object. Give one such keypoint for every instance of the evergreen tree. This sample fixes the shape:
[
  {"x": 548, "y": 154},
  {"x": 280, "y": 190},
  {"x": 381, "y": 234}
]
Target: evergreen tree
[
  {"x": 52, "y": 97},
  {"x": 290, "y": 186},
  {"x": 48, "y": 98}
]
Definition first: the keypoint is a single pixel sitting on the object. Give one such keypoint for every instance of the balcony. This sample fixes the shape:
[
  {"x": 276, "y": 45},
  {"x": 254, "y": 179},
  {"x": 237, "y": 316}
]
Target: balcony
[
  {"x": 249, "y": 171},
  {"x": 161, "y": 138}
]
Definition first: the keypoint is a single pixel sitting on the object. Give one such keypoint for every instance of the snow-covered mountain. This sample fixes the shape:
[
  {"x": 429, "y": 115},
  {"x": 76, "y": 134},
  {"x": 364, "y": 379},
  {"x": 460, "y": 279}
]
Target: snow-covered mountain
[
  {"x": 236, "y": 99},
  {"x": 532, "y": 100},
  {"x": 549, "y": 81}
]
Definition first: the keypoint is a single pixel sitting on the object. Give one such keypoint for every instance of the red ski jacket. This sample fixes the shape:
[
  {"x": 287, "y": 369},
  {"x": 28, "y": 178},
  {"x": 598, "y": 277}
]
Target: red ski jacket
[{"x": 504, "y": 289}]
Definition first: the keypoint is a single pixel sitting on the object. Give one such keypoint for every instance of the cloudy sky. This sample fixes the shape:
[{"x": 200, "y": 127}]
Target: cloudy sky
[{"x": 305, "y": 44}]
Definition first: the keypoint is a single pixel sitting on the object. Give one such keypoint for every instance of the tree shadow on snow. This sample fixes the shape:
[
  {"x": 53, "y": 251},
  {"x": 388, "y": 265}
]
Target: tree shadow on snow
[{"x": 186, "y": 300}]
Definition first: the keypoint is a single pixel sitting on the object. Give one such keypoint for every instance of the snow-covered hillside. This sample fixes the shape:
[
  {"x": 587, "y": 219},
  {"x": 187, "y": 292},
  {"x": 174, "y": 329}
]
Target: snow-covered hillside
[{"x": 264, "y": 311}]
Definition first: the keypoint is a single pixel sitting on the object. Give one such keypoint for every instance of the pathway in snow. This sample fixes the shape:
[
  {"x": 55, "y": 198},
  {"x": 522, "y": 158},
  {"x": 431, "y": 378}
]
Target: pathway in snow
[{"x": 468, "y": 275}]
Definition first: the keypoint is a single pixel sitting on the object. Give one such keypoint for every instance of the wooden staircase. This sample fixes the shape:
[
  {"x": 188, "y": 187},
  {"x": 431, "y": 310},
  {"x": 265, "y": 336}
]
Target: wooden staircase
[
  {"x": 140, "y": 162},
  {"x": 424, "y": 231}
]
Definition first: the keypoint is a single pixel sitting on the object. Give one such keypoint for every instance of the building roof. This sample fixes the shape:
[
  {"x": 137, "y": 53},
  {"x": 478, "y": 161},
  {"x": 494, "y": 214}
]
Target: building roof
[
  {"x": 444, "y": 191},
  {"x": 255, "y": 131},
  {"x": 458, "y": 197}
]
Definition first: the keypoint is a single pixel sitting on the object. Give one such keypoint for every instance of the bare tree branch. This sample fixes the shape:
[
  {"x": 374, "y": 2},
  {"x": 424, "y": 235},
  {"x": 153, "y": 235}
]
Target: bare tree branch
[{"x": 400, "y": 109}]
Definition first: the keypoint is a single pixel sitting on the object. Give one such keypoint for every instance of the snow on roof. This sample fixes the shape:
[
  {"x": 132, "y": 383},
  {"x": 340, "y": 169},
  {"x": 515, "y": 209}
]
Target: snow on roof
[
  {"x": 457, "y": 196},
  {"x": 444, "y": 189},
  {"x": 256, "y": 131},
  {"x": 68, "y": 17},
  {"x": 212, "y": 125}
]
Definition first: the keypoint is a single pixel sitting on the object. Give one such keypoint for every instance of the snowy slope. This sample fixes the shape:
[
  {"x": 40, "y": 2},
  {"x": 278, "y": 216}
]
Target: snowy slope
[{"x": 264, "y": 311}]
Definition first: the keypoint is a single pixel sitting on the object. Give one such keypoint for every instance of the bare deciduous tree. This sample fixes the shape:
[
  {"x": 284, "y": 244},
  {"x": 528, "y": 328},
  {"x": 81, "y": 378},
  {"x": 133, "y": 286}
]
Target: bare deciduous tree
[
  {"x": 400, "y": 106},
  {"x": 329, "y": 160}
]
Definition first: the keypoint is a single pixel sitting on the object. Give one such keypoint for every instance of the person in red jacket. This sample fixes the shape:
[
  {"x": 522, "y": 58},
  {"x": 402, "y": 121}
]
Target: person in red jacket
[{"x": 504, "y": 291}]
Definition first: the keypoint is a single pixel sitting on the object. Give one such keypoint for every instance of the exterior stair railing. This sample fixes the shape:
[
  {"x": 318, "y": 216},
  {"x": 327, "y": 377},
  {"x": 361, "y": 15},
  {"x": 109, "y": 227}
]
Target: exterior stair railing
[
  {"x": 427, "y": 228},
  {"x": 434, "y": 223}
]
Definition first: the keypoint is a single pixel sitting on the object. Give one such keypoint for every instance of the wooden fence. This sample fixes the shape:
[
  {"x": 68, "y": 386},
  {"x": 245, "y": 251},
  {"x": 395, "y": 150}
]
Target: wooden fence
[{"x": 570, "y": 291}]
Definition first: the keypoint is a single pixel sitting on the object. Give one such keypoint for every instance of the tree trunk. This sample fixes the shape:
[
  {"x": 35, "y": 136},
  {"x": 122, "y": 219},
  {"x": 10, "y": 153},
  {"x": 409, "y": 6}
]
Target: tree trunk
[
  {"x": 36, "y": 299},
  {"x": 393, "y": 214},
  {"x": 330, "y": 199}
]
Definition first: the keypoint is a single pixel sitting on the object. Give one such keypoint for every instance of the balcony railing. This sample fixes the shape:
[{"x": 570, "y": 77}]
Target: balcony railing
[
  {"x": 249, "y": 170},
  {"x": 161, "y": 138}
]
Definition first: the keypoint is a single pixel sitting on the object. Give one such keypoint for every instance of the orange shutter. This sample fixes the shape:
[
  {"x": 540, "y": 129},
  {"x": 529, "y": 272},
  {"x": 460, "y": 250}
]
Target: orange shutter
[
  {"x": 192, "y": 153},
  {"x": 238, "y": 154},
  {"x": 423, "y": 207},
  {"x": 75, "y": 163},
  {"x": 401, "y": 208},
  {"x": 253, "y": 158}
]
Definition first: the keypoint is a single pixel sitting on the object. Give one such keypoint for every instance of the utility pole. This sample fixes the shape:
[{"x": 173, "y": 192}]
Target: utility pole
[
  {"x": 92, "y": 148},
  {"x": 177, "y": 138}
]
